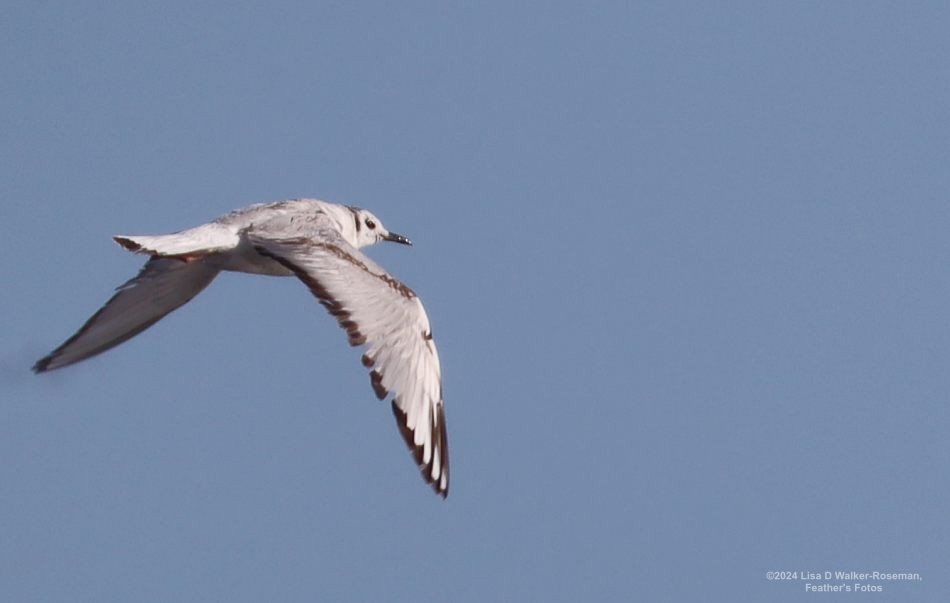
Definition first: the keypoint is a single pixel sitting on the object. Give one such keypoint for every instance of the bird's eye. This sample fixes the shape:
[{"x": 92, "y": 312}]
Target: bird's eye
[{"x": 370, "y": 224}]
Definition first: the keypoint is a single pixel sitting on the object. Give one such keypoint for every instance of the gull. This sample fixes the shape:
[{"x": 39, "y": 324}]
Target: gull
[{"x": 319, "y": 243}]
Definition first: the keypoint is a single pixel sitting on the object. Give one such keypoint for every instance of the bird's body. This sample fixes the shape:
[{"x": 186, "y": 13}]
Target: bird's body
[
  {"x": 319, "y": 243},
  {"x": 224, "y": 238}
]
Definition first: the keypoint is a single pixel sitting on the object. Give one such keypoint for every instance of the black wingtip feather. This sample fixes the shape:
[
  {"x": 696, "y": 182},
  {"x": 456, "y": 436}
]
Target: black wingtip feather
[
  {"x": 440, "y": 443},
  {"x": 42, "y": 364}
]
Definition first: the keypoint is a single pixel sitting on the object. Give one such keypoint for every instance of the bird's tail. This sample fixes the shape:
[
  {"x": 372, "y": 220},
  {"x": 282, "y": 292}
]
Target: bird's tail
[{"x": 197, "y": 241}]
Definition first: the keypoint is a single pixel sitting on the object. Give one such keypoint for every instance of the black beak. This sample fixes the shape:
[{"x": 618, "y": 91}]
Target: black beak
[{"x": 397, "y": 238}]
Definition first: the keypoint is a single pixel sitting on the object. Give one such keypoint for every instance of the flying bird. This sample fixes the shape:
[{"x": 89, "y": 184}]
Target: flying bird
[{"x": 319, "y": 243}]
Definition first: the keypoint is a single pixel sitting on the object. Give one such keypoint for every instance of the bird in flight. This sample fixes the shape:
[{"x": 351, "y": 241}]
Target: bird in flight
[{"x": 318, "y": 242}]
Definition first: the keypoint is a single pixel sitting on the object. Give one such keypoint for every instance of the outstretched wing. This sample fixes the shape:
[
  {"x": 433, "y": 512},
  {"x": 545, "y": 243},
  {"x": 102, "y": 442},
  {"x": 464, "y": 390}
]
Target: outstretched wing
[
  {"x": 386, "y": 316},
  {"x": 162, "y": 285}
]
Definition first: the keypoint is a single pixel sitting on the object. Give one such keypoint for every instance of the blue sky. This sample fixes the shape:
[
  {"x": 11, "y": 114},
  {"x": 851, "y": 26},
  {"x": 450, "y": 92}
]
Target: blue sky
[{"x": 686, "y": 267}]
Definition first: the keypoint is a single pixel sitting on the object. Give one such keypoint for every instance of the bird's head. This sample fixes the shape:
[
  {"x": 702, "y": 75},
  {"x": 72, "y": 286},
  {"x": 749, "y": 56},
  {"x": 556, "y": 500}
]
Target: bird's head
[{"x": 369, "y": 230}]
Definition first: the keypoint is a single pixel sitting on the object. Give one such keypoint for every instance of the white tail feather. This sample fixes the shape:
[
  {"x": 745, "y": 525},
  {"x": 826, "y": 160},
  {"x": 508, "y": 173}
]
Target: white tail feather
[{"x": 203, "y": 239}]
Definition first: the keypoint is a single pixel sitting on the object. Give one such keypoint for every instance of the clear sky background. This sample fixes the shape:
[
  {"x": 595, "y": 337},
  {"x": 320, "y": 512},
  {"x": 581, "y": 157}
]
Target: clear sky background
[{"x": 686, "y": 267}]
